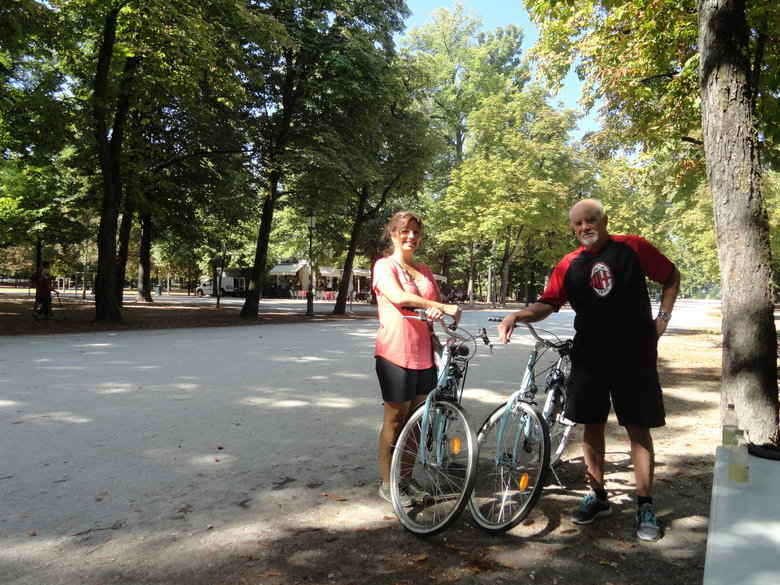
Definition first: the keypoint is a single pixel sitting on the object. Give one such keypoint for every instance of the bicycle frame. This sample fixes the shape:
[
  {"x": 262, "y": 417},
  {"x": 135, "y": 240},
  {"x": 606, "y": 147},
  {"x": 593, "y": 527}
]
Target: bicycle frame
[
  {"x": 528, "y": 390},
  {"x": 445, "y": 375}
]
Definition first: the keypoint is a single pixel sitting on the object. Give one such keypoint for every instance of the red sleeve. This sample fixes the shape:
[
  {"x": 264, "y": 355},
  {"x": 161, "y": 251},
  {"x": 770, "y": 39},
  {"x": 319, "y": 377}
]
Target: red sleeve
[
  {"x": 656, "y": 266},
  {"x": 555, "y": 293}
]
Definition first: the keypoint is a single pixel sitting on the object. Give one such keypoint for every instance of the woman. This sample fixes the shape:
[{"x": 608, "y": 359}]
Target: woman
[{"x": 404, "y": 355}]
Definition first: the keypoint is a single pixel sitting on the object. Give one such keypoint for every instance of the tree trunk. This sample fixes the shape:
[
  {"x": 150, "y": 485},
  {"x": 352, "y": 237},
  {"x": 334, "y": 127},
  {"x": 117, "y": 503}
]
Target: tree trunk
[
  {"x": 506, "y": 259},
  {"x": 257, "y": 279},
  {"x": 38, "y": 256},
  {"x": 109, "y": 142},
  {"x": 749, "y": 378},
  {"x": 125, "y": 227},
  {"x": 346, "y": 274},
  {"x": 144, "y": 287},
  {"x": 472, "y": 273}
]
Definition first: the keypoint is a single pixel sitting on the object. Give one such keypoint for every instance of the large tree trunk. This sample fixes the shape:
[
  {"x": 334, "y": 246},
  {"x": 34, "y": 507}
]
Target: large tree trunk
[
  {"x": 257, "y": 279},
  {"x": 733, "y": 172},
  {"x": 144, "y": 286},
  {"x": 109, "y": 142}
]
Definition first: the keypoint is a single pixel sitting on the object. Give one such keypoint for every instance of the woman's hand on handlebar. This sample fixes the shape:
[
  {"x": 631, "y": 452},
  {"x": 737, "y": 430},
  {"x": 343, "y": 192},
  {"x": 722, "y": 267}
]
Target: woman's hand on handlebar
[
  {"x": 453, "y": 311},
  {"x": 434, "y": 313},
  {"x": 506, "y": 327}
]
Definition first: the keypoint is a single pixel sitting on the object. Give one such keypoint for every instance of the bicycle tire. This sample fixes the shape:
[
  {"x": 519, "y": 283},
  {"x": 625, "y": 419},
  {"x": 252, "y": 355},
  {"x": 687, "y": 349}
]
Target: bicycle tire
[
  {"x": 509, "y": 479},
  {"x": 445, "y": 478},
  {"x": 560, "y": 432},
  {"x": 560, "y": 427}
]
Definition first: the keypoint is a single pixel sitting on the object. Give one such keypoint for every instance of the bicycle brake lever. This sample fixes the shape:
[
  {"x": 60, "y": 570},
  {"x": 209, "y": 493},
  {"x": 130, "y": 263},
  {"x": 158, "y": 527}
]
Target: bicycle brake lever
[{"x": 485, "y": 339}]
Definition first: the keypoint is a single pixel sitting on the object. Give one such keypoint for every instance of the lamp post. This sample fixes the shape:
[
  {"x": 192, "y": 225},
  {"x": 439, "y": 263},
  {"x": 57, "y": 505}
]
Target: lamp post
[{"x": 311, "y": 221}]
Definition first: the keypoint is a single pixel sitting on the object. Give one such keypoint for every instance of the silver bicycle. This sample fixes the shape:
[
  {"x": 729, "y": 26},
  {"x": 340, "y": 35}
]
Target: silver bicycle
[
  {"x": 521, "y": 440},
  {"x": 435, "y": 456}
]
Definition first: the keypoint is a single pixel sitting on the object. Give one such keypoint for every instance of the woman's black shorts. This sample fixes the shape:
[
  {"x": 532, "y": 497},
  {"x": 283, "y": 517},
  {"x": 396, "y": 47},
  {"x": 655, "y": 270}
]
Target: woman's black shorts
[{"x": 401, "y": 384}]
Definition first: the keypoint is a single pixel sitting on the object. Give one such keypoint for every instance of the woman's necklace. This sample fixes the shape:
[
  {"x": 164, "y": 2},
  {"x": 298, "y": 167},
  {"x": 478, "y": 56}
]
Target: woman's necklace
[{"x": 411, "y": 271}]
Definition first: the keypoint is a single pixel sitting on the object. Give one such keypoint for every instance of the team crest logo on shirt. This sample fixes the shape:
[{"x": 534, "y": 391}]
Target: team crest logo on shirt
[{"x": 601, "y": 280}]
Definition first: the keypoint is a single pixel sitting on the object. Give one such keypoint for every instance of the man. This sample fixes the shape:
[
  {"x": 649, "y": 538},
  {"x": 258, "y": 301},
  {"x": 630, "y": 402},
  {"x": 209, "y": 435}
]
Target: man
[{"x": 614, "y": 354}]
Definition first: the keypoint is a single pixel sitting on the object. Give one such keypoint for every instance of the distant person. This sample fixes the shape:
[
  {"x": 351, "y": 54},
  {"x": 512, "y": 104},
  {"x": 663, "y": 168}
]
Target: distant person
[
  {"x": 404, "y": 353},
  {"x": 43, "y": 289},
  {"x": 615, "y": 349}
]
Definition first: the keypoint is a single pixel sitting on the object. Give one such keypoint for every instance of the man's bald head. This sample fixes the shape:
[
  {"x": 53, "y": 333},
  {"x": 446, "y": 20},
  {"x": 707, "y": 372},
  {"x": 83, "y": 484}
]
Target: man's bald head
[
  {"x": 589, "y": 222},
  {"x": 593, "y": 206}
]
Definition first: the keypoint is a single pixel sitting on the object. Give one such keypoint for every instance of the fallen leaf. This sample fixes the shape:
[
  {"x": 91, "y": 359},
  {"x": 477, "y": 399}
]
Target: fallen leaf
[{"x": 334, "y": 497}]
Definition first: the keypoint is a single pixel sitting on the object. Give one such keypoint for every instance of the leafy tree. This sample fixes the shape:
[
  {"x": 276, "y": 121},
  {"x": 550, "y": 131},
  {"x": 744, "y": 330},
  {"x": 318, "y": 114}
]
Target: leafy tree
[
  {"x": 290, "y": 80},
  {"x": 515, "y": 184},
  {"x": 120, "y": 54}
]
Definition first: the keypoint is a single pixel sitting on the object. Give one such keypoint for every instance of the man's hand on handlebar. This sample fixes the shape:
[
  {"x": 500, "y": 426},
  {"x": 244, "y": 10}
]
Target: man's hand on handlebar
[{"x": 506, "y": 327}]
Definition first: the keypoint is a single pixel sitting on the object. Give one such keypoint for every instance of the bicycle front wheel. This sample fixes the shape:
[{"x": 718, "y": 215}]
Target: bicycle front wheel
[
  {"x": 514, "y": 453},
  {"x": 433, "y": 467}
]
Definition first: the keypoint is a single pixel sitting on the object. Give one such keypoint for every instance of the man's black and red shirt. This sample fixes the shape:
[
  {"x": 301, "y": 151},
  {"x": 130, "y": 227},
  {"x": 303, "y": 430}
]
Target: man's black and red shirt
[{"x": 608, "y": 292}]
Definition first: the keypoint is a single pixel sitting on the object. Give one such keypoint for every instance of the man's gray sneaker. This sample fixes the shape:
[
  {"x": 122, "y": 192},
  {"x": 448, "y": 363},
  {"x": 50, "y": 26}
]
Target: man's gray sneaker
[
  {"x": 591, "y": 508},
  {"x": 647, "y": 524},
  {"x": 384, "y": 493}
]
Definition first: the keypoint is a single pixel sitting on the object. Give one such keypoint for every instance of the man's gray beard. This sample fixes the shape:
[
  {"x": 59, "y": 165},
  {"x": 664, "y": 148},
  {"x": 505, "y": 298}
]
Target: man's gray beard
[{"x": 589, "y": 240}]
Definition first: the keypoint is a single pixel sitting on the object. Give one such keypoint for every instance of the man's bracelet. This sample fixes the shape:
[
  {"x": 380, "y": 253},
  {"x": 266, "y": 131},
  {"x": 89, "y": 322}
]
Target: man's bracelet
[{"x": 664, "y": 315}]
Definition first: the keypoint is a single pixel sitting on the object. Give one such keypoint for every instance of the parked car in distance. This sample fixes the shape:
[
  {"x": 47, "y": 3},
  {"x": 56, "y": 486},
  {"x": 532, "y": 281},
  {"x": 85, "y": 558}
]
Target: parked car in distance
[{"x": 231, "y": 285}]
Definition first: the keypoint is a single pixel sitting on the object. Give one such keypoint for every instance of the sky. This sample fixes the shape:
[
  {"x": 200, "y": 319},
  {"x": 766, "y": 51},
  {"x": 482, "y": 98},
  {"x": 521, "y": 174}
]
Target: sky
[{"x": 496, "y": 13}]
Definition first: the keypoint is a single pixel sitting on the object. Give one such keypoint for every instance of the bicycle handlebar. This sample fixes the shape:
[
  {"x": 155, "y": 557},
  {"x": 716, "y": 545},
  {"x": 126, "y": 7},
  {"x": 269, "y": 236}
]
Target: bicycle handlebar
[
  {"x": 419, "y": 314},
  {"x": 531, "y": 328}
]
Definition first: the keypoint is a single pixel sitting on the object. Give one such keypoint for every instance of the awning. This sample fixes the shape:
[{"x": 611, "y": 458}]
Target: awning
[
  {"x": 292, "y": 268},
  {"x": 329, "y": 272},
  {"x": 287, "y": 269}
]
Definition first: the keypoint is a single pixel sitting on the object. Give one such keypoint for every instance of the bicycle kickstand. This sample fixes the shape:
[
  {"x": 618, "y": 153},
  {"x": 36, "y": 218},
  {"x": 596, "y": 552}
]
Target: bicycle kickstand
[{"x": 557, "y": 478}]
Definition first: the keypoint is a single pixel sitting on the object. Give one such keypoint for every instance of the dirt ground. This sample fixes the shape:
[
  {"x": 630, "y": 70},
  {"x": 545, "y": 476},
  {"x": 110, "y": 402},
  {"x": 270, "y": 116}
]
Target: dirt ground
[{"x": 547, "y": 549}]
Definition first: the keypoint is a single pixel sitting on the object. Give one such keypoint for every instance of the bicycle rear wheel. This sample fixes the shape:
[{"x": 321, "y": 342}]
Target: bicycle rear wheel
[
  {"x": 441, "y": 472},
  {"x": 512, "y": 466}
]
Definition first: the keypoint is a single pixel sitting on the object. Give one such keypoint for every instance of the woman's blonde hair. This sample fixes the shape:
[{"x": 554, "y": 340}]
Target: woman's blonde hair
[{"x": 398, "y": 222}]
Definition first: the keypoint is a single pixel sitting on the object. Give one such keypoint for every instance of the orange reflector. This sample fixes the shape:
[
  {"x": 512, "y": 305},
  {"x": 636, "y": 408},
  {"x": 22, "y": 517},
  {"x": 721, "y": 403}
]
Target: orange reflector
[
  {"x": 455, "y": 445},
  {"x": 522, "y": 481}
]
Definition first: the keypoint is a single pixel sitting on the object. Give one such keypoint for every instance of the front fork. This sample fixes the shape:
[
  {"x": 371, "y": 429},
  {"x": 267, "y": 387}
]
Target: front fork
[
  {"x": 433, "y": 421},
  {"x": 526, "y": 393}
]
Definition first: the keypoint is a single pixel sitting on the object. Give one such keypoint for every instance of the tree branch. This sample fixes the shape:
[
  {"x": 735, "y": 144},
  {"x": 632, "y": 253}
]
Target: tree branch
[
  {"x": 123, "y": 103},
  {"x": 692, "y": 140},
  {"x": 667, "y": 75},
  {"x": 177, "y": 159}
]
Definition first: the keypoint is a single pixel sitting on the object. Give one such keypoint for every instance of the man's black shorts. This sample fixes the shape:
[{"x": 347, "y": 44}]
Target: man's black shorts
[
  {"x": 401, "y": 384},
  {"x": 634, "y": 390}
]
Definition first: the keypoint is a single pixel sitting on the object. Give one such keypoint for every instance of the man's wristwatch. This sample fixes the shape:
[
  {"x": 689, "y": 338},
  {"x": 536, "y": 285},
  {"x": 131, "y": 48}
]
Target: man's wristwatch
[{"x": 664, "y": 315}]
